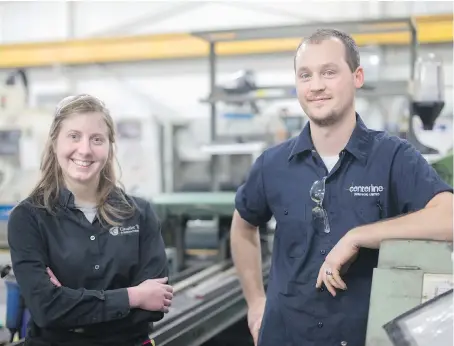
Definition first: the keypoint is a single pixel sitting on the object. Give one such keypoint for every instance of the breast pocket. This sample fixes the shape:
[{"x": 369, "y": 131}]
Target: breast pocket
[
  {"x": 291, "y": 236},
  {"x": 293, "y": 223}
]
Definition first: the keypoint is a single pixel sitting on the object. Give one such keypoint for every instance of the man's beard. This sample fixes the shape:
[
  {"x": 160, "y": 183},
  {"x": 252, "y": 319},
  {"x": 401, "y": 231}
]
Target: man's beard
[{"x": 332, "y": 118}]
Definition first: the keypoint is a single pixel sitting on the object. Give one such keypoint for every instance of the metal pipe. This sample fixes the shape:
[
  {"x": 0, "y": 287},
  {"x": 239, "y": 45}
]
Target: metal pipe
[
  {"x": 413, "y": 48},
  {"x": 211, "y": 283},
  {"x": 196, "y": 278},
  {"x": 213, "y": 123},
  {"x": 194, "y": 325},
  {"x": 212, "y": 62}
]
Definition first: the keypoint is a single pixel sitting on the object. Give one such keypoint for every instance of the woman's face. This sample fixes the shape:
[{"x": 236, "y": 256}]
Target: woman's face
[{"x": 82, "y": 148}]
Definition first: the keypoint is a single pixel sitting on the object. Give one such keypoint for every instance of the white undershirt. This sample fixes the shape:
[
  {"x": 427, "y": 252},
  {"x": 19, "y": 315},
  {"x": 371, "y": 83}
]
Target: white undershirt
[
  {"x": 330, "y": 161},
  {"x": 89, "y": 212}
]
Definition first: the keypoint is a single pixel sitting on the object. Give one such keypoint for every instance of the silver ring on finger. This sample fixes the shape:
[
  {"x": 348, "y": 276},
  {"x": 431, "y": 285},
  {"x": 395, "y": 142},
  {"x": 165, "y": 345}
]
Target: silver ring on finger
[{"x": 328, "y": 272}]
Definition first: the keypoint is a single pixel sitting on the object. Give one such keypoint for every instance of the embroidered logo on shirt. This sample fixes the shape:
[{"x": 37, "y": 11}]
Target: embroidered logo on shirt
[
  {"x": 124, "y": 230},
  {"x": 366, "y": 190}
]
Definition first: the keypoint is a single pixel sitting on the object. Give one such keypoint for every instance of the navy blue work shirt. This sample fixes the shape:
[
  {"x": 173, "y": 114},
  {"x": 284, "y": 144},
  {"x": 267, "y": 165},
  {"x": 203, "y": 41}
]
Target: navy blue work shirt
[{"x": 378, "y": 176}]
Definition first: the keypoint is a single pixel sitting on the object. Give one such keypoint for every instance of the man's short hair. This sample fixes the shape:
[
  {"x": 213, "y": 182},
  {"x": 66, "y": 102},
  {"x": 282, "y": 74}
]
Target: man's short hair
[{"x": 351, "y": 49}]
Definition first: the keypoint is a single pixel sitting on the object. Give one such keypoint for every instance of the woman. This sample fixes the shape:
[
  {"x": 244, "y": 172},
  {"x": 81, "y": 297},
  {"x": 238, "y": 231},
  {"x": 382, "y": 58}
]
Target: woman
[{"x": 89, "y": 259}]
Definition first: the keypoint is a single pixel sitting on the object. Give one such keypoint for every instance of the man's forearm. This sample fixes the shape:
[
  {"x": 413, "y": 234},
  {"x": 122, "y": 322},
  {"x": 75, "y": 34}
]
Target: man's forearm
[
  {"x": 246, "y": 254},
  {"x": 430, "y": 223}
]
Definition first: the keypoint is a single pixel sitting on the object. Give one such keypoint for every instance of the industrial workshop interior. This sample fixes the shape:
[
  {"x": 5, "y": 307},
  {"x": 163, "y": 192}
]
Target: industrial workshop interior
[{"x": 198, "y": 90}]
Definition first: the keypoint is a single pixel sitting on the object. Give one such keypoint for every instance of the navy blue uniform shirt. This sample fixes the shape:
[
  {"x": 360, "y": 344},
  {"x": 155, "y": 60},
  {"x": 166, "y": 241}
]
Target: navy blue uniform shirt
[
  {"x": 95, "y": 263},
  {"x": 378, "y": 176}
]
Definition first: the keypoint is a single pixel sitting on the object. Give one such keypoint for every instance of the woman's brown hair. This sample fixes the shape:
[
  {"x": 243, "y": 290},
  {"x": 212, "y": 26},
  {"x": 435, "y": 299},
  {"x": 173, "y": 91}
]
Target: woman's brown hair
[{"x": 46, "y": 192}]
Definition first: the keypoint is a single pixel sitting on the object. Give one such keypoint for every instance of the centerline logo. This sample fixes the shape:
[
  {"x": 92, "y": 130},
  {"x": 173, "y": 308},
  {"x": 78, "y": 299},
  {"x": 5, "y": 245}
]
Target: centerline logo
[
  {"x": 124, "y": 230},
  {"x": 366, "y": 190}
]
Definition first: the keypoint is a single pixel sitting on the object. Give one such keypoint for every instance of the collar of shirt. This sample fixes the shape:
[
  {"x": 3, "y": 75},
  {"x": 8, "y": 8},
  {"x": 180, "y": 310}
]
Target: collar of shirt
[
  {"x": 358, "y": 145},
  {"x": 66, "y": 198}
]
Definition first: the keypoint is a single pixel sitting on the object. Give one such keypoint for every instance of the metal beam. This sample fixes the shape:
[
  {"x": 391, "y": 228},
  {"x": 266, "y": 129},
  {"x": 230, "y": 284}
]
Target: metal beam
[
  {"x": 433, "y": 29},
  {"x": 374, "y": 26},
  {"x": 284, "y": 92}
]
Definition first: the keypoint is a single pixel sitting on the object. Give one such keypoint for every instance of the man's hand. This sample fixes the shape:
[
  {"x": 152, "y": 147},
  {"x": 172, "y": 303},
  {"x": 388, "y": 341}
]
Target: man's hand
[
  {"x": 254, "y": 318},
  {"x": 338, "y": 260},
  {"x": 53, "y": 278}
]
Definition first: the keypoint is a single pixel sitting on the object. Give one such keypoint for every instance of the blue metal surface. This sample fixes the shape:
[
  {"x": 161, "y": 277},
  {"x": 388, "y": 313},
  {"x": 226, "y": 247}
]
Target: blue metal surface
[{"x": 4, "y": 211}]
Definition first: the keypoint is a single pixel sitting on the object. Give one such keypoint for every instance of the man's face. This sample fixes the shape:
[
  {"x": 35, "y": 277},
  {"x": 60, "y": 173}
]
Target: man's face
[{"x": 324, "y": 82}]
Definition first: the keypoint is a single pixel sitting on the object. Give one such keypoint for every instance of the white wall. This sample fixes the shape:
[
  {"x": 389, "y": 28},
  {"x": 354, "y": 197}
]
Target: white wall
[{"x": 173, "y": 88}]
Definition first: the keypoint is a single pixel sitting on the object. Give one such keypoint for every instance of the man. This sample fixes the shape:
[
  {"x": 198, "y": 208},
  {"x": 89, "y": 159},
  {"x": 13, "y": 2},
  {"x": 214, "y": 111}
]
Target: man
[{"x": 336, "y": 191}]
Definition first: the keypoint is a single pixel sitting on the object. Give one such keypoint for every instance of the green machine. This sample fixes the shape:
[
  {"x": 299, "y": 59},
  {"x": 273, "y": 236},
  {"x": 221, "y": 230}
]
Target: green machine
[
  {"x": 195, "y": 203},
  {"x": 196, "y": 224},
  {"x": 409, "y": 273},
  {"x": 444, "y": 167}
]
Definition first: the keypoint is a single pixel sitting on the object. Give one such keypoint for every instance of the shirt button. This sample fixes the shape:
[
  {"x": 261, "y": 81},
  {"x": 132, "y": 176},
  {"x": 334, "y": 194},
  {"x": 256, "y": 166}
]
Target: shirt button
[
  {"x": 119, "y": 314},
  {"x": 322, "y": 289},
  {"x": 285, "y": 212},
  {"x": 92, "y": 237},
  {"x": 343, "y": 343},
  {"x": 323, "y": 252},
  {"x": 97, "y": 267},
  {"x": 320, "y": 324}
]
